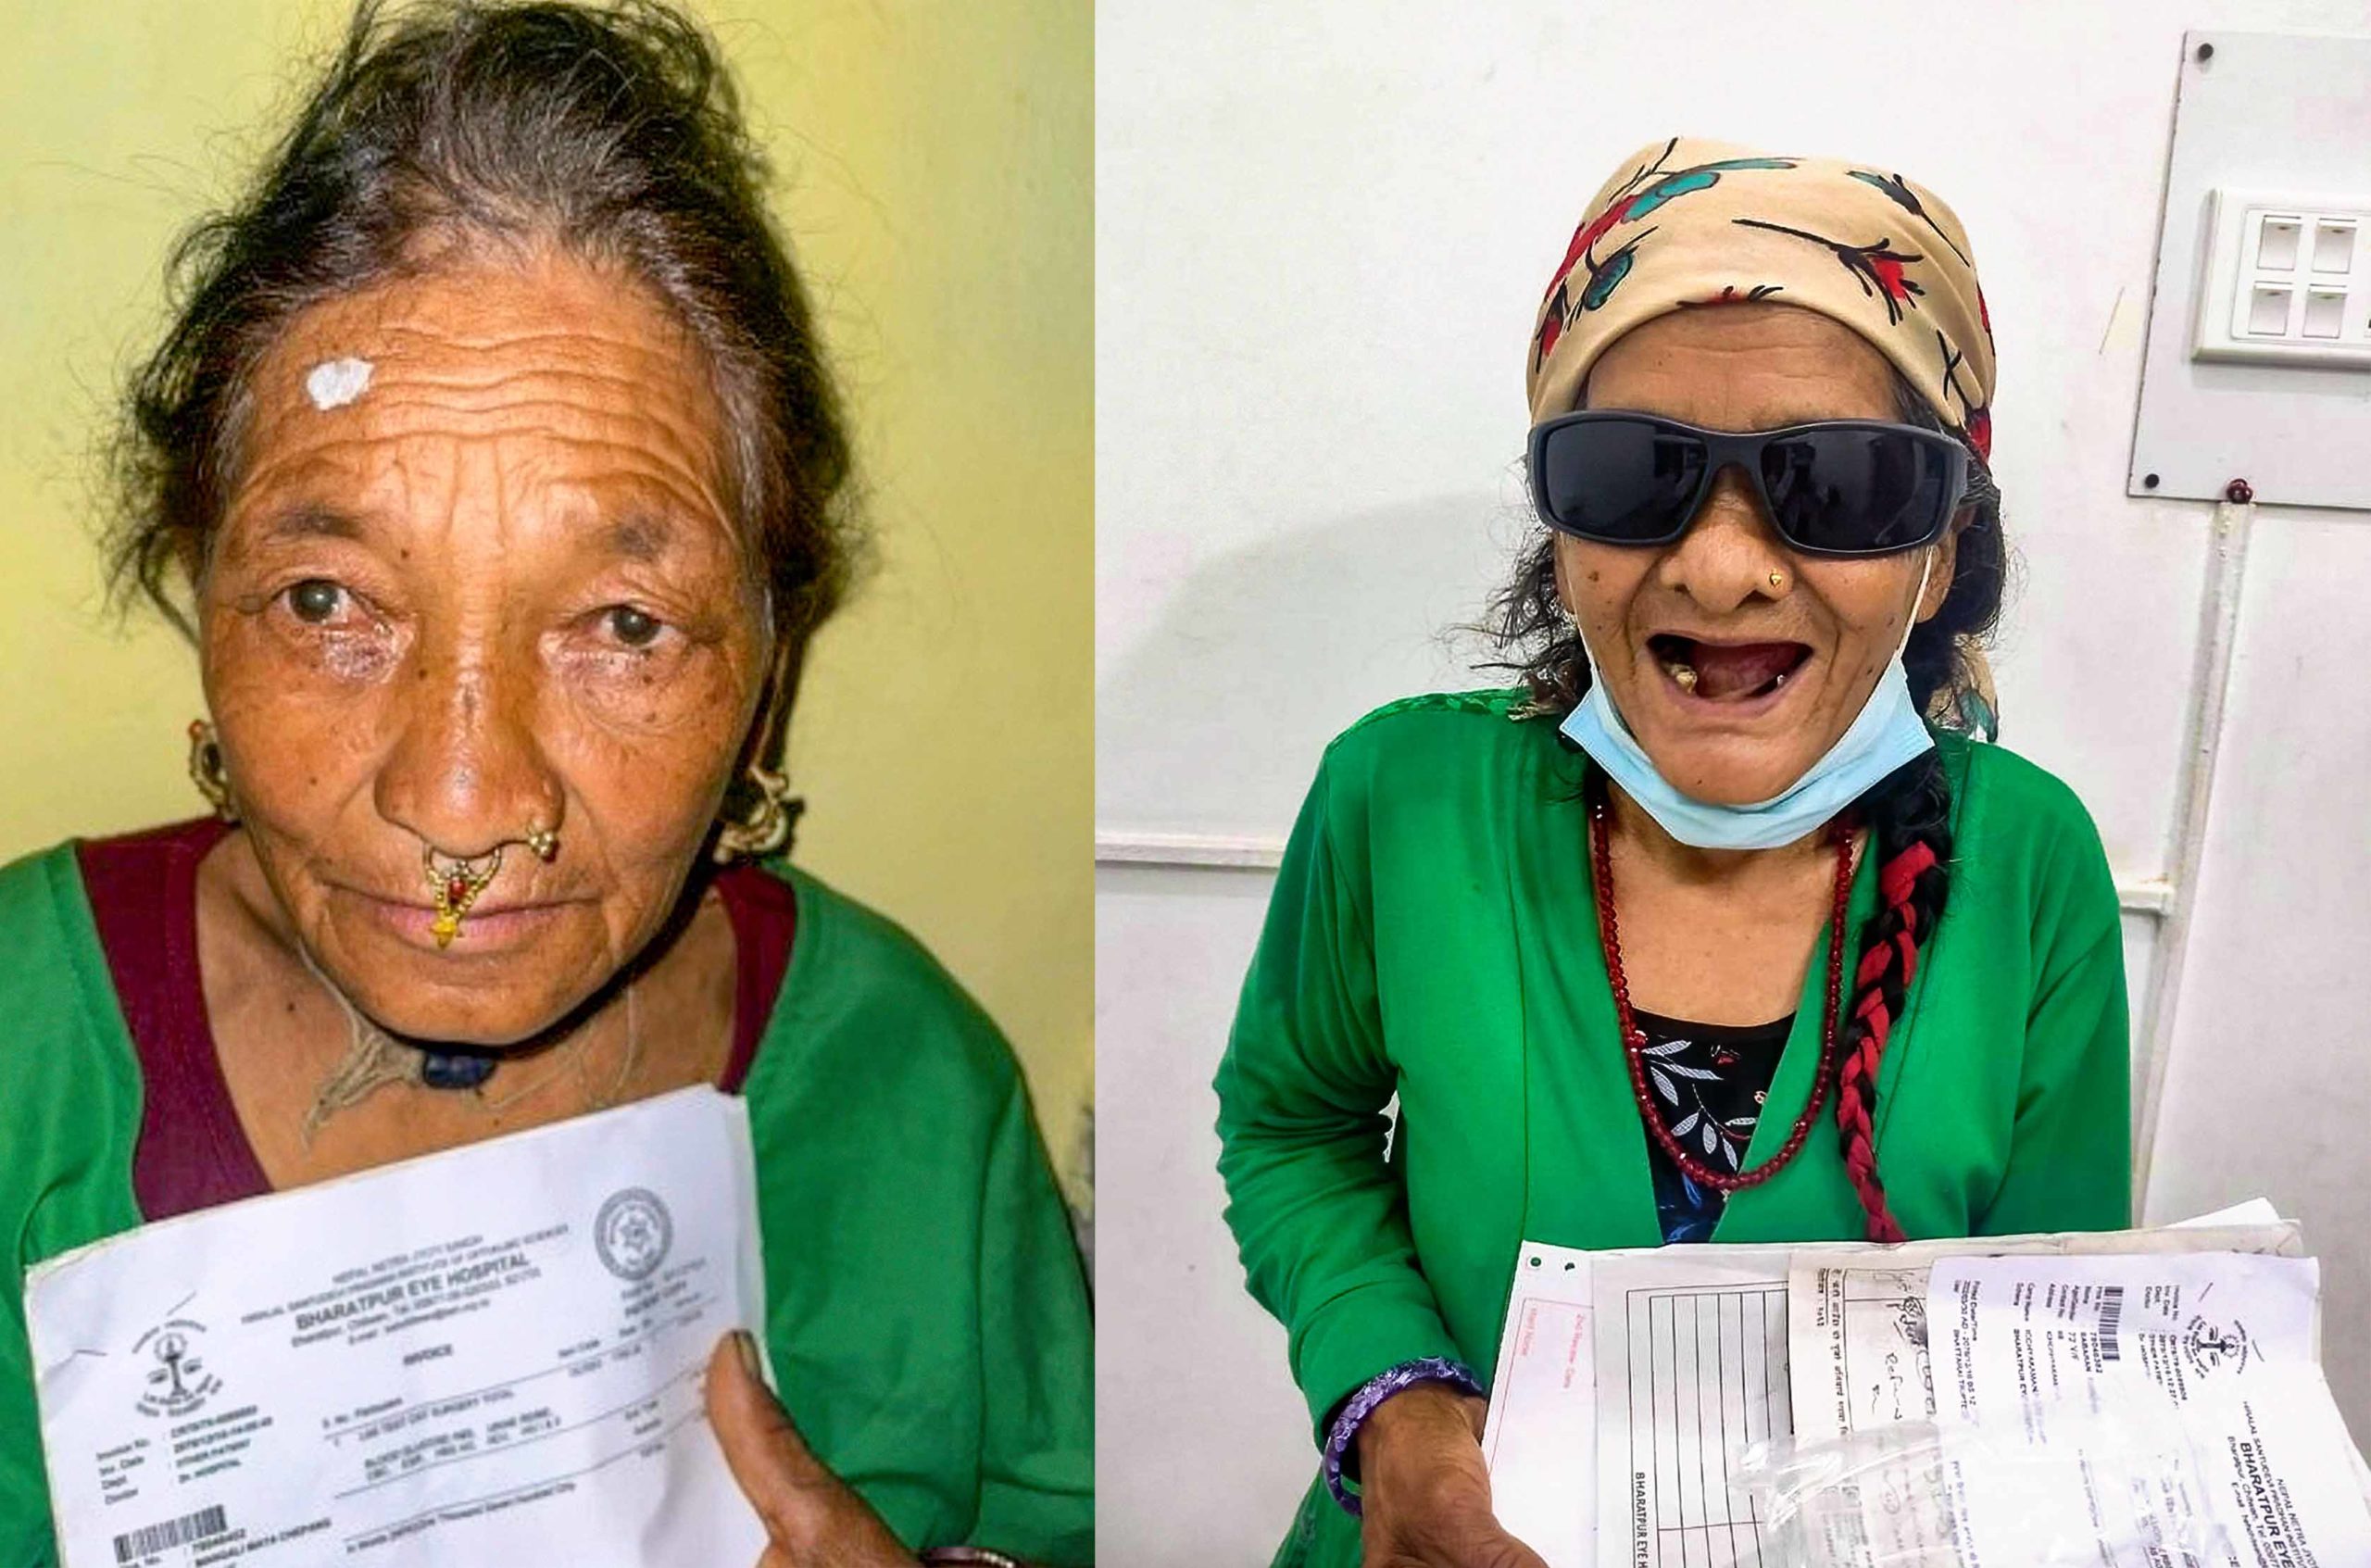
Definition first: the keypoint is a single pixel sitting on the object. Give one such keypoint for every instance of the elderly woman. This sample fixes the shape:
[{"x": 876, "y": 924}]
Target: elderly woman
[
  {"x": 492, "y": 464},
  {"x": 1721, "y": 927}
]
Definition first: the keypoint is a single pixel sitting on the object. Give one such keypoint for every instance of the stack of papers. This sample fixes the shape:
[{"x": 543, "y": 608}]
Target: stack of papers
[{"x": 1631, "y": 1384}]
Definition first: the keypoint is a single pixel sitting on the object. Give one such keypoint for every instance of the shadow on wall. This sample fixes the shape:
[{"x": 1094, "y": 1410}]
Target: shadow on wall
[{"x": 1212, "y": 719}]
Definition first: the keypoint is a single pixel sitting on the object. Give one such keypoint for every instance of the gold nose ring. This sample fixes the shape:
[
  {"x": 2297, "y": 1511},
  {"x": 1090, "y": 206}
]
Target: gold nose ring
[
  {"x": 542, "y": 843},
  {"x": 455, "y": 885}
]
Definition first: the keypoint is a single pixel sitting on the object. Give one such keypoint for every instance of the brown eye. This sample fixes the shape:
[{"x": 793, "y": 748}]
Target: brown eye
[
  {"x": 316, "y": 600},
  {"x": 633, "y": 627}
]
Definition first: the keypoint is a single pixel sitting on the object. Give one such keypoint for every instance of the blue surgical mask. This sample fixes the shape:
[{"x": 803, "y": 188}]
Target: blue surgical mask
[{"x": 1887, "y": 732}]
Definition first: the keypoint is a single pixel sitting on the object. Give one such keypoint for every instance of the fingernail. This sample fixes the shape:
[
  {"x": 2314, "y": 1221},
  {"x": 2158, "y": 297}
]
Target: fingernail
[{"x": 746, "y": 1349}]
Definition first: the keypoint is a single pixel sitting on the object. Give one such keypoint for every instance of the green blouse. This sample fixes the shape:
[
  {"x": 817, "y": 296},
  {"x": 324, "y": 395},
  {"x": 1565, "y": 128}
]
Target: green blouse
[
  {"x": 894, "y": 1145},
  {"x": 1433, "y": 935}
]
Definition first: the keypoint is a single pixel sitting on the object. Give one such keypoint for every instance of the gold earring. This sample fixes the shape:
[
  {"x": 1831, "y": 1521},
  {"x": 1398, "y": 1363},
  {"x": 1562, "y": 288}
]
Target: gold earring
[
  {"x": 456, "y": 887},
  {"x": 542, "y": 843},
  {"x": 764, "y": 828},
  {"x": 206, "y": 773}
]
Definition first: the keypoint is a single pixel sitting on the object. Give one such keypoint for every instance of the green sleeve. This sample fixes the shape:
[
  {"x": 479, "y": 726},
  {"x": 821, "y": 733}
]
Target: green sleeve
[
  {"x": 1320, "y": 1218},
  {"x": 25, "y": 1538},
  {"x": 1037, "y": 1395},
  {"x": 70, "y": 1117},
  {"x": 2070, "y": 1158}
]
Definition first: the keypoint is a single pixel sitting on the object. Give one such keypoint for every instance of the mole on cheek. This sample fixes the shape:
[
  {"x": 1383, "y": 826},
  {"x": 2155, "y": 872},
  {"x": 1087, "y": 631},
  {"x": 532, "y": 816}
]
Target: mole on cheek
[{"x": 1593, "y": 574}]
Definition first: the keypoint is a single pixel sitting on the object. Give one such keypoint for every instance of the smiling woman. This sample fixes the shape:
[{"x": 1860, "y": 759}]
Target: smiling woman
[
  {"x": 1731, "y": 863},
  {"x": 492, "y": 465}
]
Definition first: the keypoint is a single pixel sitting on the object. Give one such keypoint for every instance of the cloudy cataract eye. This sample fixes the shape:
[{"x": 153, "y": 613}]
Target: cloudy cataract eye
[
  {"x": 633, "y": 627},
  {"x": 316, "y": 599}
]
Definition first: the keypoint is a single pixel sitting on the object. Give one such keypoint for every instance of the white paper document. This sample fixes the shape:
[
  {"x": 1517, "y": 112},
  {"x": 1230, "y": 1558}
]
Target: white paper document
[
  {"x": 2220, "y": 1430},
  {"x": 1541, "y": 1441},
  {"x": 1858, "y": 1331},
  {"x": 492, "y": 1355},
  {"x": 1691, "y": 1345},
  {"x": 2021, "y": 1330}
]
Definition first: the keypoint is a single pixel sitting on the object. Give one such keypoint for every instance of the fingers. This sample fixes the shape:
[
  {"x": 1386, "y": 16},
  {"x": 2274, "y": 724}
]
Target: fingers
[
  {"x": 1428, "y": 1493},
  {"x": 812, "y": 1518},
  {"x": 1487, "y": 1544},
  {"x": 1490, "y": 1548},
  {"x": 776, "y": 1470},
  {"x": 1505, "y": 1552}
]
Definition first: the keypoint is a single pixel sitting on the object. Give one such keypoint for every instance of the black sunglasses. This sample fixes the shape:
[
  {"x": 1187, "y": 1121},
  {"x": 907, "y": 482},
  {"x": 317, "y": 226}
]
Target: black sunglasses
[{"x": 1839, "y": 487}]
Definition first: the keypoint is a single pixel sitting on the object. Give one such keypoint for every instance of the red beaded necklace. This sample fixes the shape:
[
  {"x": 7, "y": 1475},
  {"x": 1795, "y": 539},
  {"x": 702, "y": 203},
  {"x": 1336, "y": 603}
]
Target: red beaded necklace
[{"x": 1634, "y": 1039}]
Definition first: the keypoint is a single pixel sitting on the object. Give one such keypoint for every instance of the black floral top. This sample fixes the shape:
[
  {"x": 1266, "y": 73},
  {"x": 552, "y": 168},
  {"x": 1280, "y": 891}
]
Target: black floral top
[{"x": 1708, "y": 1081}]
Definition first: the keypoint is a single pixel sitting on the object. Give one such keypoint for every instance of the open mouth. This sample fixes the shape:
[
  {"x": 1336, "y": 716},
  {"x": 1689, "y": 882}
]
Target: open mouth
[{"x": 1726, "y": 672}]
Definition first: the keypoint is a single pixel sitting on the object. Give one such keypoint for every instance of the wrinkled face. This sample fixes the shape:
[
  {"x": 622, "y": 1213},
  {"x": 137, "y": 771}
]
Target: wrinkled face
[
  {"x": 491, "y": 587},
  {"x": 1735, "y": 684}
]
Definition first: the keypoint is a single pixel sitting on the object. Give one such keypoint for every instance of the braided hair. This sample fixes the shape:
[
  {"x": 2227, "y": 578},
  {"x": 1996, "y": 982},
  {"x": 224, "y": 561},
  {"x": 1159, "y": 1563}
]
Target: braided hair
[{"x": 1908, "y": 813}]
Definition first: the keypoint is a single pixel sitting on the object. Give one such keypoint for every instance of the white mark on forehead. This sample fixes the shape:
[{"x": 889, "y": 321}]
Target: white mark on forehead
[{"x": 333, "y": 384}]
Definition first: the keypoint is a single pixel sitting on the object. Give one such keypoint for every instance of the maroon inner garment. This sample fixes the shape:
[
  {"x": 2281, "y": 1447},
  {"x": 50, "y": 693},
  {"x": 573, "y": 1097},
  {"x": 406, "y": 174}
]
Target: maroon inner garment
[{"x": 192, "y": 1153}]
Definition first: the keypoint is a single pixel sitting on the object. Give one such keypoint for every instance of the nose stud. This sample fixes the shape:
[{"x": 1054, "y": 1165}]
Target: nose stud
[
  {"x": 542, "y": 843},
  {"x": 1778, "y": 581},
  {"x": 455, "y": 882}
]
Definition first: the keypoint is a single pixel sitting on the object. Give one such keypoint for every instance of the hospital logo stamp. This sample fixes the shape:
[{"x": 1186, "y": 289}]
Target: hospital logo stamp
[
  {"x": 175, "y": 1382},
  {"x": 2211, "y": 1346},
  {"x": 633, "y": 1233}
]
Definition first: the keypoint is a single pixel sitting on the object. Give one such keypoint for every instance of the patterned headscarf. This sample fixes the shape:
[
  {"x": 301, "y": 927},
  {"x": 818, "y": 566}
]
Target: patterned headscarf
[
  {"x": 1687, "y": 224},
  {"x": 1691, "y": 223}
]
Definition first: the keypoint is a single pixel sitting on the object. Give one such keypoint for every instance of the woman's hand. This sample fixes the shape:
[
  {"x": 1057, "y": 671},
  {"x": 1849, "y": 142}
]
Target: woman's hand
[
  {"x": 1425, "y": 1490},
  {"x": 812, "y": 1519}
]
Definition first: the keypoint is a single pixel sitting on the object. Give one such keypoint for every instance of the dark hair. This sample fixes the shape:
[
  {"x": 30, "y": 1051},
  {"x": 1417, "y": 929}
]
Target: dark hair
[
  {"x": 1908, "y": 813},
  {"x": 610, "y": 130}
]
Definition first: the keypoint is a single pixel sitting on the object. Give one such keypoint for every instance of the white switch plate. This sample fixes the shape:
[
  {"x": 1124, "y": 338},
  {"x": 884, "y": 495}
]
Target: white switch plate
[
  {"x": 2284, "y": 114},
  {"x": 2288, "y": 280}
]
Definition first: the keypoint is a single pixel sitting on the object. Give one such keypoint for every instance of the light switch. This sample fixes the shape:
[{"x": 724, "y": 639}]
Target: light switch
[
  {"x": 2288, "y": 279},
  {"x": 2277, "y": 246},
  {"x": 2269, "y": 309},
  {"x": 2333, "y": 247}
]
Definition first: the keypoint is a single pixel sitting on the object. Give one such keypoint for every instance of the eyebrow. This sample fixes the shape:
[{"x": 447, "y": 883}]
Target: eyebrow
[
  {"x": 640, "y": 535},
  {"x": 311, "y": 519}
]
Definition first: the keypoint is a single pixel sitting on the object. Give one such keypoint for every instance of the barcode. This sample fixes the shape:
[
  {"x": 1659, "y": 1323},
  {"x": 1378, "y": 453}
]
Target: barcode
[
  {"x": 2110, "y": 1318},
  {"x": 173, "y": 1532}
]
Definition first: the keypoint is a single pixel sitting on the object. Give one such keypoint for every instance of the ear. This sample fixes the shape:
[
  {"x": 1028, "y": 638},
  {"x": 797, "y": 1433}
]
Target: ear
[
  {"x": 1563, "y": 582},
  {"x": 1947, "y": 560},
  {"x": 763, "y": 742}
]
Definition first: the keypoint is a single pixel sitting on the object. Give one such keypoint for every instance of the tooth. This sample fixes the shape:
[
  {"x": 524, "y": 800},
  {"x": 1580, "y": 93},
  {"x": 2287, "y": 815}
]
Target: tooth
[
  {"x": 1684, "y": 674},
  {"x": 1781, "y": 680}
]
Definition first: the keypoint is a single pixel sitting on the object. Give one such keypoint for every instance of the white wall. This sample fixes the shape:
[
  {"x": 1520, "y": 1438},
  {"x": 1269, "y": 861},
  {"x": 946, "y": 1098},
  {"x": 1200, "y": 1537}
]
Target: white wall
[{"x": 1321, "y": 233}]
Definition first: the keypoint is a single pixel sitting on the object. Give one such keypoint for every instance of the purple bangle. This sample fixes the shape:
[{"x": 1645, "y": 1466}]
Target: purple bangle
[{"x": 1362, "y": 1402}]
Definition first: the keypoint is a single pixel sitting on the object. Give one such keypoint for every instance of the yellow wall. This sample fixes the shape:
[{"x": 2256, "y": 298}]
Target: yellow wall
[{"x": 935, "y": 162}]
